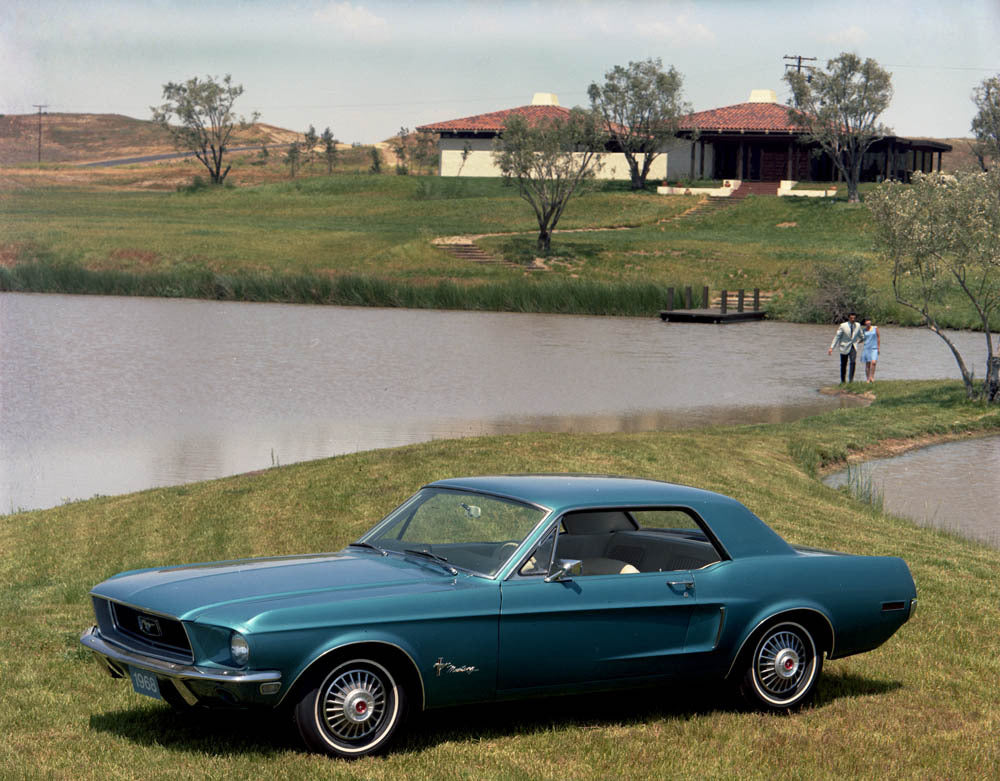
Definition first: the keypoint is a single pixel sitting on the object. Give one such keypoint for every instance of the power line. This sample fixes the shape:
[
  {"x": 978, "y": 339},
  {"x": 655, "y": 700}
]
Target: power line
[
  {"x": 796, "y": 62},
  {"x": 40, "y": 106}
]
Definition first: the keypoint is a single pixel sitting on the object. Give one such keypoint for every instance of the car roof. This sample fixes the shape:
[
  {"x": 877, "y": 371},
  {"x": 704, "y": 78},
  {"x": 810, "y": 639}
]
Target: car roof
[
  {"x": 739, "y": 530},
  {"x": 562, "y": 492}
]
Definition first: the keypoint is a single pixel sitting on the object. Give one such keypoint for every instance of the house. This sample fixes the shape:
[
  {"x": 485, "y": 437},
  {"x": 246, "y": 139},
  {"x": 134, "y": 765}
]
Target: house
[
  {"x": 466, "y": 144},
  {"x": 758, "y": 141},
  {"x": 754, "y": 141}
]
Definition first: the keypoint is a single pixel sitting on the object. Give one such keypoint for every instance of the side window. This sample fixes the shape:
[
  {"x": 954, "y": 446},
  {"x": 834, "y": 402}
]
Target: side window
[
  {"x": 538, "y": 563},
  {"x": 665, "y": 519}
]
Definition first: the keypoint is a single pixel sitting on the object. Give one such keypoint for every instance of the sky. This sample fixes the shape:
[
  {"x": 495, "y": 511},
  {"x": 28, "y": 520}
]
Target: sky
[{"x": 366, "y": 68}]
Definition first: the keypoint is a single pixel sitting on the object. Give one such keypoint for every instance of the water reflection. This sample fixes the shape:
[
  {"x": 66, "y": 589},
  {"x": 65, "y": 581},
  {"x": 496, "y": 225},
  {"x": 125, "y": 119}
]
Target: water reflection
[
  {"x": 952, "y": 486},
  {"x": 102, "y": 395}
]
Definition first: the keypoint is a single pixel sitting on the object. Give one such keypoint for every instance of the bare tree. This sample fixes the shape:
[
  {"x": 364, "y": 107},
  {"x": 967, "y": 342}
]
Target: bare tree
[
  {"x": 940, "y": 234},
  {"x": 840, "y": 108},
  {"x": 551, "y": 160},
  {"x": 986, "y": 123},
  {"x": 641, "y": 107},
  {"x": 204, "y": 112}
]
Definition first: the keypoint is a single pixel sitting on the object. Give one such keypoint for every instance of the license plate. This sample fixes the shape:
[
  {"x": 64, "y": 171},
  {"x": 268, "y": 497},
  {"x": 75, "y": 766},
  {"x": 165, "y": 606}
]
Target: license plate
[{"x": 145, "y": 682}]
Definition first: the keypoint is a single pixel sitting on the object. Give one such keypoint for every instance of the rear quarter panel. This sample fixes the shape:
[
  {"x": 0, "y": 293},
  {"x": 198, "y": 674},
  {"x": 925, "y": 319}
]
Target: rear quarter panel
[{"x": 848, "y": 591}]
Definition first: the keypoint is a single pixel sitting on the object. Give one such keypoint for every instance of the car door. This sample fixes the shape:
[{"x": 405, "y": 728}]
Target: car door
[{"x": 591, "y": 628}]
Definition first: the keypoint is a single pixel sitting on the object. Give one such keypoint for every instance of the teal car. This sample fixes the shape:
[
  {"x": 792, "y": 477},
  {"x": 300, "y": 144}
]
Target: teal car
[{"x": 486, "y": 588}]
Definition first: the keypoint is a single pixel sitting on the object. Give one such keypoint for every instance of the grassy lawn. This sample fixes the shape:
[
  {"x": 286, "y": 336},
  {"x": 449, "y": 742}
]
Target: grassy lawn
[
  {"x": 926, "y": 704},
  {"x": 371, "y": 238}
]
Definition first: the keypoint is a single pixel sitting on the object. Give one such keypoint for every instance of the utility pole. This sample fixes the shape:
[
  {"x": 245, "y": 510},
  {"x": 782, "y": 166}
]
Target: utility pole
[
  {"x": 40, "y": 106},
  {"x": 796, "y": 62}
]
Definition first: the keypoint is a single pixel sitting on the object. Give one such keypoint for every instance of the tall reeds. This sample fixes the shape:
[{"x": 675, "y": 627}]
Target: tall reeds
[{"x": 563, "y": 296}]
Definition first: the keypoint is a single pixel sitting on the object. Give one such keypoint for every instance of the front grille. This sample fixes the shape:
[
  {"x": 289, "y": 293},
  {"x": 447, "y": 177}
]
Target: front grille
[{"x": 150, "y": 631}]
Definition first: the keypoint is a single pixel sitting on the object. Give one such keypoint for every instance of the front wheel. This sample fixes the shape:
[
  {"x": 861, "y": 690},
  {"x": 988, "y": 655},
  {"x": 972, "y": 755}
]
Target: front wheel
[
  {"x": 353, "y": 711},
  {"x": 783, "y": 668}
]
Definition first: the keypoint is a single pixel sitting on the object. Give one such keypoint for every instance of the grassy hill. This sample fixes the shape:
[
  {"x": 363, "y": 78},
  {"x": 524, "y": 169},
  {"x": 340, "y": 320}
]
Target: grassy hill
[
  {"x": 925, "y": 705},
  {"x": 75, "y": 138}
]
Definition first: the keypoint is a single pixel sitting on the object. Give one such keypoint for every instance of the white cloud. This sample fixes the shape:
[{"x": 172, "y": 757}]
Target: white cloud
[
  {"x": 850, "y": 36},
  {"x": 681, "y": 30},
  {"x": 355, "y": 20}
]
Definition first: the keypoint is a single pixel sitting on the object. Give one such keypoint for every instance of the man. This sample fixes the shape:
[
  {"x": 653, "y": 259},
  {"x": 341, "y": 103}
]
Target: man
[{"x": 846, "y": 340}]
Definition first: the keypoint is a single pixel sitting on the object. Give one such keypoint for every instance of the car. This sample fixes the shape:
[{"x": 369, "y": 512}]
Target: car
[{"x": 498, "y": 587}]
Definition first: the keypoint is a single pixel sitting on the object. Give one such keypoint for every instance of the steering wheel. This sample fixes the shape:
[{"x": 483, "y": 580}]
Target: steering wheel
[{"x": 506, "y": 550}]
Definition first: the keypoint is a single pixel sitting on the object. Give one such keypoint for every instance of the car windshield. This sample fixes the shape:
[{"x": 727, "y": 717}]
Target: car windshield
[{"x": 469, "y": 531}]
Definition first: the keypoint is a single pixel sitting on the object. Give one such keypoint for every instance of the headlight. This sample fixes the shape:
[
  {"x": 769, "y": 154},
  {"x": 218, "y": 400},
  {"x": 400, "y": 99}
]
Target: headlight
[{"x": 239, "y": 649}]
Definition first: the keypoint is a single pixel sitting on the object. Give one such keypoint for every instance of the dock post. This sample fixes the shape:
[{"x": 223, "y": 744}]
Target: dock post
[
  {"x": 687, "y": 298},
  {"x": 756, "y": 299},
  {"x": 670, "y": 298},
  {"x": 725, "y": 301},
  {"x": 739, "y": 300},
  {"x": 705, "y": 303}
]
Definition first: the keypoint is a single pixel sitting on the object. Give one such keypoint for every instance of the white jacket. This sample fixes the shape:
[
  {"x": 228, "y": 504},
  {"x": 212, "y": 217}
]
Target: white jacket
[{"x": 847, "y": 337}]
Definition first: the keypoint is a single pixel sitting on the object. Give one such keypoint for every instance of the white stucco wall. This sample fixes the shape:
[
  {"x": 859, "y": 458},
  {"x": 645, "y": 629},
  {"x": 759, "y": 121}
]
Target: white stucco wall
[{"x": 480, "y": 161}]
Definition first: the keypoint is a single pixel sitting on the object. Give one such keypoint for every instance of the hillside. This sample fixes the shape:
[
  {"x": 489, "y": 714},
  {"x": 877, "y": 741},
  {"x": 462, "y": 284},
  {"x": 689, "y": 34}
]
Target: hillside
[{"x": 77, "y": 138}]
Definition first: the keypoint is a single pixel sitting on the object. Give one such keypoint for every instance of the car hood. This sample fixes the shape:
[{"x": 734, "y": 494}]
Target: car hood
[{"x": 190, "y": 591}]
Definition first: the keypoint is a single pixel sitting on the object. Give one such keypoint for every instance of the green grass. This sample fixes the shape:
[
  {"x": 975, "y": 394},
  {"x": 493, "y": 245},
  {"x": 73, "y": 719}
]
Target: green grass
[
  {"x": 926, "y": 704},
  {"x": 294, "y": 240}
]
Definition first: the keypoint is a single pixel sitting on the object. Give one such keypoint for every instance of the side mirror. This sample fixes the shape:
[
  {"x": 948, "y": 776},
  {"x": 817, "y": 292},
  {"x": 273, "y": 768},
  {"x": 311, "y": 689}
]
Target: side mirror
[{"x": 562, "y": 569}]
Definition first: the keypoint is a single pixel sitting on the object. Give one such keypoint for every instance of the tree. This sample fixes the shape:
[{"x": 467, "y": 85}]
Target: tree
[
  {"x": 551, "y": 160},
  {"x": 940, "y": 234},
  {"x": 329, "y": 149},
  {"x": 839, "y": 108},
  {"x": 986, "y": 123},
  {"x": 425, "y": 150},
  {"x": 204, "y": 112},
  {"x": 641, "y": 107},
  {"x": 376, "y": 155},
  {"x": 292, "y": 157},
  {"x": 309, "y": 142},
  {"x": 400, "y": 147}
]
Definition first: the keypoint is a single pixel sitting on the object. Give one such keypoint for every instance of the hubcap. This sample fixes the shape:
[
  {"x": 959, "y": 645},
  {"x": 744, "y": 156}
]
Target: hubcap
[
  {"x": 782, "y": 662},
  {"x": 354, "y": 704}
]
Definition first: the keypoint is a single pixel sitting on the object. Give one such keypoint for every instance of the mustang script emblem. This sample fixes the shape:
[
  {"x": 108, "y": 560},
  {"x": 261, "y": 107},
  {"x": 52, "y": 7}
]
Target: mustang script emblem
[
  {"x": 150, "y": 626},
  {"x": 442, "y": 666}
]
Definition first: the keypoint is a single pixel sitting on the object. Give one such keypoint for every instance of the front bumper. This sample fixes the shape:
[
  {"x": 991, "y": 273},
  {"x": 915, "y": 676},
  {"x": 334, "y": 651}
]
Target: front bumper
[{"x": 195, "y": 685}]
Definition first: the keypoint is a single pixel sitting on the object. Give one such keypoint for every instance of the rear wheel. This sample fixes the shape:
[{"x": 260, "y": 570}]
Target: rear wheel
[
  {"x": 783, "y": 669},
  {"x": 354, "y": 710}
]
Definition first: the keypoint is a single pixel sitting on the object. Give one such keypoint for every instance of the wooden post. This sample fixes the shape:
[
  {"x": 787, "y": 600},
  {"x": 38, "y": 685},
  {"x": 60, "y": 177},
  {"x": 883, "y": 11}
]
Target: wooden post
[
  {"x": 939, "y": 161},
  {"x": 705, "y": 303},
  {"x": 788, "y": 166},
  {"x": 701, "y": 167},
  {"x": 692, "y": 159},
  {"x": 670, "y": 298},
  {"x": 688, "y": 303},
  {"x": 756, "y": 299},
  {"x": 725, "y": 300},
  {"x": 739, "y": 300}
]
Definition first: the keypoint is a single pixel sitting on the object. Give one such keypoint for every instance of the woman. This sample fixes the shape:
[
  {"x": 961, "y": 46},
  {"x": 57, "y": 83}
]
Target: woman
[{"x": 872, "y": 343}]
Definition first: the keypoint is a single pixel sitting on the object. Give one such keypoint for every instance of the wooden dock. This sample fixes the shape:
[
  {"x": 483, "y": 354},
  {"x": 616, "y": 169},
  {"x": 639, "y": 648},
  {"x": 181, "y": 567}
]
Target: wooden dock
[
  {"x": 730, "y": 307},
  {"x": 708, "y": 316}
]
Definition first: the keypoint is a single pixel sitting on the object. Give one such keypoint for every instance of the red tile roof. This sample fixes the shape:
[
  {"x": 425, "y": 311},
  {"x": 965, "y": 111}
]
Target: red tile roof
[
  {"x": 494, "y": 121},
  {"x": 752, "y": 117}
]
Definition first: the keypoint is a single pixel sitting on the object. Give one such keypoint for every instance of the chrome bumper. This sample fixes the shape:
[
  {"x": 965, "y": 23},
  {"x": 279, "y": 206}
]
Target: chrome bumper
[{"x": 185, "y": 677}]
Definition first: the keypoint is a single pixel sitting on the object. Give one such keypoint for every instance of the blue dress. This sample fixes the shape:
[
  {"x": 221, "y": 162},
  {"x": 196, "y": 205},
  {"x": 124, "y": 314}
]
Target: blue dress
[{"x": 870, "y": 352}]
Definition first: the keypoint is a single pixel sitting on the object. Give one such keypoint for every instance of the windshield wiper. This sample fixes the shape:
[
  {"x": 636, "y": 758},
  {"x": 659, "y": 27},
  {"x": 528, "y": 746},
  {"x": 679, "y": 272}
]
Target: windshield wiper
[
  {"x": 436, "y": 558},
  {"x": 367, "y": 545}
]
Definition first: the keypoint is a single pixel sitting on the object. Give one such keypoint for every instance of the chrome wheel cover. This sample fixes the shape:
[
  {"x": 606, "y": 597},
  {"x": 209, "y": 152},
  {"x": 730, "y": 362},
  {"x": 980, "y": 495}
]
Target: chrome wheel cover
[
  {"x": 352, "y": 704},
  {"x": 784, "y": 664}
]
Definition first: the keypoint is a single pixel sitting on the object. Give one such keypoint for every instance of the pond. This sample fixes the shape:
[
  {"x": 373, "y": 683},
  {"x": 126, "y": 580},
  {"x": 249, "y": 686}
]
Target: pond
[
  {"x": 106, "y": 395},
  {"x": 951, "y": 486}
]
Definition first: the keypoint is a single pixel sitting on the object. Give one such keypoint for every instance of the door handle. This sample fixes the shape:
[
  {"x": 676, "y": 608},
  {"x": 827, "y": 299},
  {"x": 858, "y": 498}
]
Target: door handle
[{"x": 687, "y": 584}]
